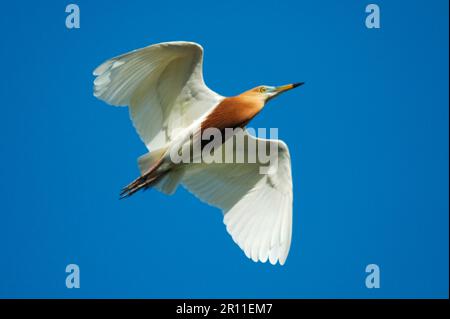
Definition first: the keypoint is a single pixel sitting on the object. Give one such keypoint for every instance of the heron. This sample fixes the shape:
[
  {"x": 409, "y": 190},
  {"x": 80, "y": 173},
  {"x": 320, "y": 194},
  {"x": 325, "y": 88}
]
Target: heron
[{"x": 169, "y": 103}]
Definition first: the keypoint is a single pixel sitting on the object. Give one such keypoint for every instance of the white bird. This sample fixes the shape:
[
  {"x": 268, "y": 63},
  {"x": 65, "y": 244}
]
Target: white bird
[{"x": 169, "y": 103}]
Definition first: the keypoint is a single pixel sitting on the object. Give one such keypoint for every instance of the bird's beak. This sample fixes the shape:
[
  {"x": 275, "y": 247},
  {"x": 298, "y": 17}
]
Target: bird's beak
[
  {"x": 280, "y": 89},
  {"x": 284, "y": 88}
]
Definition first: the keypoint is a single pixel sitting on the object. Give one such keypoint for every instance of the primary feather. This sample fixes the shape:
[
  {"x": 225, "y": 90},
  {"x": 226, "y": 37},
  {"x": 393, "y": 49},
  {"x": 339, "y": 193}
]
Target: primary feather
[{"x": 163, "y": 86}]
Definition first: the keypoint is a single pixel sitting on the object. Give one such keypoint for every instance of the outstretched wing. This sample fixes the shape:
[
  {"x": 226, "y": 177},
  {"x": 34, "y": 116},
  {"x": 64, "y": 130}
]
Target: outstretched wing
[
  {"x": 257, "y": 206},
  {"x": 163, "y": 85}
]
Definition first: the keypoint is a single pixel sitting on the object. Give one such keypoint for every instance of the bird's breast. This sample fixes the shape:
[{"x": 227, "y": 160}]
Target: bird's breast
[{"x": 231, "y": 113}]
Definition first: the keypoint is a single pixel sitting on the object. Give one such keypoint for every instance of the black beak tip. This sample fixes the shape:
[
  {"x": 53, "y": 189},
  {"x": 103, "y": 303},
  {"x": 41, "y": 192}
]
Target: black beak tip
[{"x": 297, "y": 84}]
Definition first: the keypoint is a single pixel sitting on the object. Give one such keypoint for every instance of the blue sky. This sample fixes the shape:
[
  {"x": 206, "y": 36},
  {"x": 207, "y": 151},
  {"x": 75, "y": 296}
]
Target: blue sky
[{"x": 368, "y": 136}]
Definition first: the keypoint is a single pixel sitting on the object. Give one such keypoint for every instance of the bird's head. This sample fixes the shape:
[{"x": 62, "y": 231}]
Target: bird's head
[{"x": 264, "y": 93}]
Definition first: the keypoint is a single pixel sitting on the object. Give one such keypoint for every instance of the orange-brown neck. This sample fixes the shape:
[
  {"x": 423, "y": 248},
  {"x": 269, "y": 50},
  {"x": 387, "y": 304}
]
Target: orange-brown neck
[{"x": 234, "y": 111}]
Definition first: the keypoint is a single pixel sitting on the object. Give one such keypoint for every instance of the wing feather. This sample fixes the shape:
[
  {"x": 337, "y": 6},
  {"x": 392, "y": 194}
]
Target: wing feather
[
  {"x": 257, "y": 207},
  {"x": 163, "y": 86}
]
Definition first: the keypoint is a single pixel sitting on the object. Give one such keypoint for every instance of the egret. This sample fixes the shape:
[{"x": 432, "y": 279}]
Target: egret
[{"x": 169, "y": 103}]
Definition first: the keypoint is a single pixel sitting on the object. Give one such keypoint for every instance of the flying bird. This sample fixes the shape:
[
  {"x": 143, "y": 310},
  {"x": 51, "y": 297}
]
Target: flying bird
[{"x": 170, "y": 105}]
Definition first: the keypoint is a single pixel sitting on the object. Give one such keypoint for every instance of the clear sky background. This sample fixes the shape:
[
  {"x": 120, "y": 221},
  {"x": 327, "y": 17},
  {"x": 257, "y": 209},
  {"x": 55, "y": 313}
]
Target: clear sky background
[{"x": 368, "y": 136}]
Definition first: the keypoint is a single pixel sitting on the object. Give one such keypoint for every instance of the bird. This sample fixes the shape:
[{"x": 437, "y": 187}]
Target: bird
[{"x": 170, "y": 105}]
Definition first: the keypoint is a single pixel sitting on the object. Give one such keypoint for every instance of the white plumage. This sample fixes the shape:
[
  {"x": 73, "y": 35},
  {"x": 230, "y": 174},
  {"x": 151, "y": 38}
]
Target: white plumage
[{"x": 164, "y": 88}]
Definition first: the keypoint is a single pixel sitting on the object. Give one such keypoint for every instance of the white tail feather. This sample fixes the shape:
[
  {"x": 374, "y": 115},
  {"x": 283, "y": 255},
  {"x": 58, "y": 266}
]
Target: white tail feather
[{"x": 147, "y": 161}]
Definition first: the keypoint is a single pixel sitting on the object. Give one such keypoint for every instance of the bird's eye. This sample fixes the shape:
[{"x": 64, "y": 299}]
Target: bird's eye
[{"x": 262, "y": 89}]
